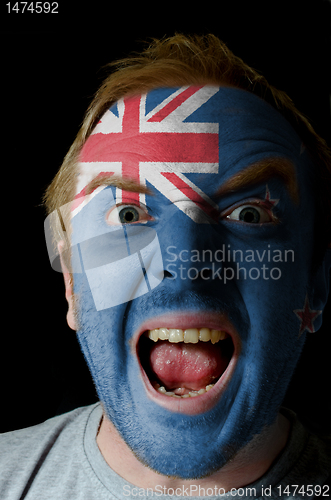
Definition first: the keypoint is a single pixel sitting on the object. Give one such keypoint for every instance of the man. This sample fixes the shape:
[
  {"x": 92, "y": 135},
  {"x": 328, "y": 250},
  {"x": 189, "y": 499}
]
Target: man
[{"x": 192, "y": 220}]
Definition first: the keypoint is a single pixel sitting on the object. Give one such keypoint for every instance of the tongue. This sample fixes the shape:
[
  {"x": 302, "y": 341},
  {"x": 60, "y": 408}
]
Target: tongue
[{"x": 191, "y": 366}]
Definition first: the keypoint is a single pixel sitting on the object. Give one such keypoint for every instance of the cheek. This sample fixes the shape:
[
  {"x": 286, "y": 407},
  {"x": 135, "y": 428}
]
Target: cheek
[
  {"x": 97, "y": 328},
  {"x": 272, "y": 279}
]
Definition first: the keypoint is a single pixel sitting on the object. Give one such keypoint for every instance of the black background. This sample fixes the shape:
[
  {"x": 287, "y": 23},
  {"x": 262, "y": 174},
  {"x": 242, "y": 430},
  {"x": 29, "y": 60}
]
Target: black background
[{"x": 50, "y": 69}]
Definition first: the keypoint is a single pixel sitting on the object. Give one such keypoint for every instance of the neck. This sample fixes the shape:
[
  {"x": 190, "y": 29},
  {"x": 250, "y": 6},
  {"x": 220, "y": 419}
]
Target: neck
[{"x": 248, "y": 465}]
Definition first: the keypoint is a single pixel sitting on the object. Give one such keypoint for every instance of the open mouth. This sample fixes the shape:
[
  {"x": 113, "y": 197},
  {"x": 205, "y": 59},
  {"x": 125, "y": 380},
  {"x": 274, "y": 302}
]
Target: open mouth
[{"x": 184, "y": 363}]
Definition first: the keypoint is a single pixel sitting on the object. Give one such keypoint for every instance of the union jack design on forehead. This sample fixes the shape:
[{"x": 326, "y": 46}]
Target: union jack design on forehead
[{"x": 156, "y": 146}]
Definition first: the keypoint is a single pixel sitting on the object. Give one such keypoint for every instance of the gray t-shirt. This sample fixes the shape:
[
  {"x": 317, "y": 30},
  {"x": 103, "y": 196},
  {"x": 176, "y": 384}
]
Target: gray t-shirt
[{"x": 60, "y": 460}]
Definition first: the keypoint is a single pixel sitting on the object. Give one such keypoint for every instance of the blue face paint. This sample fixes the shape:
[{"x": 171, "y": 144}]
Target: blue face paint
[{"x": 229, "y": 273}]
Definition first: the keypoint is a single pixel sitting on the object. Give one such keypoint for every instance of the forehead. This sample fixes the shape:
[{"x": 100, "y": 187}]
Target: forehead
[{"x": 187, "y": 130}]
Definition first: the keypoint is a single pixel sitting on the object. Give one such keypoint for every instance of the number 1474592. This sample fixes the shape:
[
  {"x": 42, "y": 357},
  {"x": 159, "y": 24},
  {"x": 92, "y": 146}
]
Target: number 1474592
[{"x": 33, "y": 7}]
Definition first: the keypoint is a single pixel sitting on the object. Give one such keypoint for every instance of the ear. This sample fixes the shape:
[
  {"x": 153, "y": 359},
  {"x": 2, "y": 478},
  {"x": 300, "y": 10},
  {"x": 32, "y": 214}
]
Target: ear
[
  {"x": 68, "y": 288},
  {"x": 320, "y": 287}
]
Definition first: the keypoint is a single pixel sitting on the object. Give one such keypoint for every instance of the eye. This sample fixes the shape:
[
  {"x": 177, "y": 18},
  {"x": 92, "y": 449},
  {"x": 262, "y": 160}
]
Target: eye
[
  {"x": 127, "y": 214},
  {"x": 251, "y": 214}
]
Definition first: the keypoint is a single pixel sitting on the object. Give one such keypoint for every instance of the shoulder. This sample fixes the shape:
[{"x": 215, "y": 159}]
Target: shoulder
[
  {"x": 308, "y": 454},
  {"x": 15, "y": 443},
  {"x": 318, "y": 456},
  {"x": 24, "y": 452}
]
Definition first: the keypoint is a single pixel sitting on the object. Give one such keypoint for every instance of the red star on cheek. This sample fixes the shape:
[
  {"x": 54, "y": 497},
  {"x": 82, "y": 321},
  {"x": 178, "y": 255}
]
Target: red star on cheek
[{"x": 307, "y": 317}]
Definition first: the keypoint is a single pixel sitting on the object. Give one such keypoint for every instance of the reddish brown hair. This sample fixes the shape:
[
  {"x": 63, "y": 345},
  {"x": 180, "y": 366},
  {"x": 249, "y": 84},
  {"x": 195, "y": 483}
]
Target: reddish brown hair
[{"x": 182, "y": 60}]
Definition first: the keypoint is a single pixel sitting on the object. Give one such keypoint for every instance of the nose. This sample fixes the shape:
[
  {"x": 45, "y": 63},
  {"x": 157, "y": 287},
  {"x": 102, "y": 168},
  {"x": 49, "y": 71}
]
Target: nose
[{"x": 191, "y": 251}]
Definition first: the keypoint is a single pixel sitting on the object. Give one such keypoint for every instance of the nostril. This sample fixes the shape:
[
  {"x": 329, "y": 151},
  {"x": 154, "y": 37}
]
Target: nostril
[
  {"x": 167, "y": 274},
  {"x": 205, "y": 273}
]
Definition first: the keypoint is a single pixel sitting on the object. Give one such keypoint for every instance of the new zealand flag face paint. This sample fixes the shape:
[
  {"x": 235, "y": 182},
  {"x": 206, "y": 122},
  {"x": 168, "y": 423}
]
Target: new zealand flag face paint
[{"x": 187, "y": 285}]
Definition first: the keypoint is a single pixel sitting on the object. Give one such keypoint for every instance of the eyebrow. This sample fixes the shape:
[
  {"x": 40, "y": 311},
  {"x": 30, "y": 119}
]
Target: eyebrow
[
  {"x": 262, "y": 171},
  {"x": 126, "y": 184}
]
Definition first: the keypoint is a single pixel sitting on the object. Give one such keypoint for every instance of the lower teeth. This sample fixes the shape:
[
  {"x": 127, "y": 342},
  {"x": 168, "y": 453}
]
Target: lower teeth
[{"x": 191, "y": 394}]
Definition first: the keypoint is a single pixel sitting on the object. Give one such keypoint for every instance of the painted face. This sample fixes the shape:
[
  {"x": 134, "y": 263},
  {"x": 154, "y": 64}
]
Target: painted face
[{"x": 189, "y": 295}]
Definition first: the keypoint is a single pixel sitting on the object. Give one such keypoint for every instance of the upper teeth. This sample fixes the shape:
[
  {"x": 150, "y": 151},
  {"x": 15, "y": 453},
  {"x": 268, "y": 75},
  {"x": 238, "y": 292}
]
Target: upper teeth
[{"x": 190, "y": 335}]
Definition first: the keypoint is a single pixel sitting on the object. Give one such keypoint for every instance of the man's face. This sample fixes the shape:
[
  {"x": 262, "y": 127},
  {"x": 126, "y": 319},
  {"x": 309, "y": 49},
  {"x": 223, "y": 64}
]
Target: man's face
[{"x": 187, "y": 293}]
